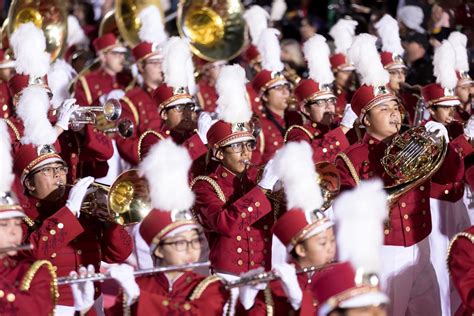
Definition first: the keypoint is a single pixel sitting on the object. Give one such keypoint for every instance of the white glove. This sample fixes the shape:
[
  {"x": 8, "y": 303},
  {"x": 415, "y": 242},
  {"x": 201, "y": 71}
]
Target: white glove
[
  {"x": 123, "y": 274},
  {"x": 268, "y": 178},
  {"x": 438, "y": 128},
  {"x": 287, "y": 274},
  {"x": 205, "y": 122},
  {"x": 77, "y": 194},
  {"x": 469, "y": 128},
  {"x": 114, "y": 94},
  {"x": 83, "y": 293},
  {"x": 248, "y": 293},
  {"x": 66, "y": 110},
  {"x": 349, "y": 117},
  {"x": 278, "y": 10}
]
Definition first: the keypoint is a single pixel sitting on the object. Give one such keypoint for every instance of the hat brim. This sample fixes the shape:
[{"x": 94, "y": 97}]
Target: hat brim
[
  {"x": 41, "y": 164},
  {"x": 118, "y": 49},
  {"x": 7, "y": 64},
  {"x": 448, "y": 103},
  {"x": 11, "y": 214},
  {"x": 362, "y": 300}
]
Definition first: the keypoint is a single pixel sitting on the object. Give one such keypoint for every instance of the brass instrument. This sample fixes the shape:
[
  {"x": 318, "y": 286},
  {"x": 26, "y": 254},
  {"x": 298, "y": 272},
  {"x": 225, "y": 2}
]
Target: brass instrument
[
  {"x": 329, "y": 181},
  {"x": 269, "y": 276},
  {"x": 24, "y": 247},
  {"x": 124, "y": 128},
  {"x": 420, "y": 104},
  {"x": 216, "y": 29},
  {"x": 111, "y": 110},
  {"x": 100, "y": 277},
  {"x": 125, "y": 202},
  {"x": 412, "y": 158},
  {"x": 48, "y": 15}
]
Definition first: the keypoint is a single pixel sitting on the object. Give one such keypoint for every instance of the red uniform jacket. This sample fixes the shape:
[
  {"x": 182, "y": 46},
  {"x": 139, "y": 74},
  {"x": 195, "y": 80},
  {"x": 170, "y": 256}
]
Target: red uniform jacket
[
  {"x": 207, "y": 96},
  {"x": 69, "y": 242},
  {"x": 326, "y": 143},
  {"x": 273, "y": 132},
  {"x": 461, "y": 268},
  {"x": 342, "y": 99},
  {"x": 409, "y": 217},
  {"x": 14, "y": 299},
  {"x": 6, "y": 109},
  {"x": 237, "y": 219},
  {"x": 190, "y": 294}
]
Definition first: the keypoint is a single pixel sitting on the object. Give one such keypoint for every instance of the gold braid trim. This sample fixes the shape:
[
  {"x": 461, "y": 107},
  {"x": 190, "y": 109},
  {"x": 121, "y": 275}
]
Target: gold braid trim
[
  {"x": 202, "y": 286},
  {"x": 29, "y": 222},
  {"x": 133, "y": 108},
  {"x": 13, "y": 127},
  {"x": 87, "y": 90},
  {"x": 269, "y": 304},
  {"x": 300, "y": 128},
  {"x": 351, "y": 167},
  {"x": 451, "y": 244},
  {"x": 214, "y": 185},
  {"x": 142, "y": 136},
  {"x": 30, "y": 274}
]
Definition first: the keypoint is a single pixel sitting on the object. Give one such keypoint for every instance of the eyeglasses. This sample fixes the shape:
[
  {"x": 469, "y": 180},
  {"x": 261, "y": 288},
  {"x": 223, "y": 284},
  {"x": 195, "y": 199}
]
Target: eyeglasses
[
  {"x": 181, "y": 107},
  {"x": 183, "y": 245},
  {"x": 322, "y": 103},
  {"x": 51, "y": 171},
  {"x": 239, "y": 147},
  {"x": 281, "y": 87}
]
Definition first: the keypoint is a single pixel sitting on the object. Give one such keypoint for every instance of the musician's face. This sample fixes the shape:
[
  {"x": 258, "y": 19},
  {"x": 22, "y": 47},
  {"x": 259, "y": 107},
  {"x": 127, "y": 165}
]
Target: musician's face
[
  {"x": 10, "y": 234},
  {"x": 180, "y": 249},
  {"x": 6, "y": 73},
  {"x": 362, "y": 311},
  {"x": 232, "y": 158},
  {"x": 320, "y": 111},
  {"x": 113, "y": 61},
  {"x": 152, "y": 72},
  {"x": 276, "y": 98},
  {"x": 443, "y": 114},
  {"x": 384, "y": 120},
  {"x": 344, "y": 78},
  {"x": 465, "y": 93},
  {"x": 317, "y": 250},
  {"x": 44, "y": 183},
  {"x": 180, "y": 118},
  {"x": 397, "y": 76}
]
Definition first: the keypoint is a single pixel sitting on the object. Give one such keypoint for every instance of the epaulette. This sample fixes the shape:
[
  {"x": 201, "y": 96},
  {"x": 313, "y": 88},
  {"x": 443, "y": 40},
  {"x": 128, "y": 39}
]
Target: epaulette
[
  {"x": 350, "y": 166},
  {"x": 214, "y": 185},
  {"x": 305, "y": 130},
  {"x": 467, "y": 235},
  {"x": 202, "y": 286},
  {"x": 30, "y": 274},
  {"x": 133, "y": 108},
  {"x": 142, "y": 136}
]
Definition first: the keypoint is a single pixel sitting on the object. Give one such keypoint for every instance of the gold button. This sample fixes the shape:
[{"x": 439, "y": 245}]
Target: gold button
[
  {"x": 371, "y": 142},
  {"x": 251, "y": 239},
  {"x": 239, "y": 238},
  {"x": 79, "y": 252},
  {"x": 407, "y": 228},
  {"x": 257, "y": 99},
  {"x": 44, "y": 238},
  {"x": 422, "y": 188},
  {"x": 265, "y": 227},
  {"x": 243, "y": 215},
  {"x": 250, "y": 209},
  {"x": 248, "y": 228},
  {"x": 314, "y": 125},
  {"x": 10, "y": 297},
  {"x": 224, "y": 174},
  {"x": 252, "y": 252},
  {"x": 52, "y": 232},
  {"x": 404, "y": 204},
  {"x": 338, "y": 143},
  {"x": 325, "y": 150},
  {"x": 275, "y": 143},
  {"x": 5, "y": 107},
  {"x": 73, "y": 155},
  {"x": 167, "y": 132},
  {"x": 5, "y": 115},
  {"x": 2, "y": 294},
  {"x": 239, "y": 250},
  {"x": 187, "y": 306},
  {"x": 60, "y": 225},
  {"x": 252, "y": 263},
  {"x": 53, "y": 255},
  {"x": 405, "y": 216},
  {"x": 165, "y": 302},
  {"x": 386, "y": 231},
  {"x": 446, "y": 191},
  {"x": 240, "y": 262},
  {"x": 331, "y": 146},
  {"x": 257, "y": 204}
]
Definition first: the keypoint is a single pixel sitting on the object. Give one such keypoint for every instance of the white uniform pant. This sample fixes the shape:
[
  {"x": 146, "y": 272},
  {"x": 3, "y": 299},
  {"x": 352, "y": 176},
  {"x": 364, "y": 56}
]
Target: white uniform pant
[
  {"x": 408, "y": 278},
  {"x": 447, "y": 218}
]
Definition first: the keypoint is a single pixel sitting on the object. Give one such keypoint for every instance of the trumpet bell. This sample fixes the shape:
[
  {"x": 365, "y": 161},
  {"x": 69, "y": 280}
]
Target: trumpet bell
[
  {"x": 112, "y": 109},
  {"x": 330, "y": 182}
]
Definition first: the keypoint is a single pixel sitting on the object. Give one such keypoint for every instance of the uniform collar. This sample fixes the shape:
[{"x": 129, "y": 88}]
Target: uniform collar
[{"x": 228, "y": 177}]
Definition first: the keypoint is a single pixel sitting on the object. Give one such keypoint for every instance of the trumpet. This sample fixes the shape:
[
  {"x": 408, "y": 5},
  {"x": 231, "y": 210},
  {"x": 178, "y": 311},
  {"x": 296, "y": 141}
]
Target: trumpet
[
  {"x": 101, "y": 277},
  {"x": 111, "y": 110},
  {"x": 269, "y": 276},
  {"x": 24, "y": 247},
  {"x": 124, "y": 128}
]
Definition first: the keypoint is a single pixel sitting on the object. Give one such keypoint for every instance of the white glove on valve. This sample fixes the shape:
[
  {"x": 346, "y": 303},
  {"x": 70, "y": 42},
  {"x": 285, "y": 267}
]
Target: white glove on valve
[
  {"x": 268, "y": 178},
  {"x": 66, "y": 110}
]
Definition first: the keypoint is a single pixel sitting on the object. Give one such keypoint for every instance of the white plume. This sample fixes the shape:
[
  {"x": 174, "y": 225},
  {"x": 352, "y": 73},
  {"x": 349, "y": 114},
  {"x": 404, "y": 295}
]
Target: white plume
[
  {"x": 316, "y": 51},
  {"x": 294, "y": 166},
  {"x": 176, "y": 56},
  {"x": 257, "y": 20},
  {"x": 152, "y": 29},
  {"x": 166, "y": 168},
  {"x": 388, "y": 30},
  {"x": 6, "y": 167},
  {"x": 232, "y": 105},
  {"x": 269, "y": 47},
  {"x": 60, "y": 76},
  {"x": 33, "y": 107},
  {"x": 459, "y": 42},
  {"x": 29, "y": 46},
  {"x": 366, "y": 59},
  {"x": 444, "y": 63},
  {"x": 360, "y": 215},
  {"x": 343, "y": 33},
  {"x": 75, "y": 33}
]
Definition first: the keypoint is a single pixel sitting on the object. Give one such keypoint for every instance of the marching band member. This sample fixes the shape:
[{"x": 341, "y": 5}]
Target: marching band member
[
  {"x": 274, "y": 91},
  {"x": 317, "y": 103},
  {"x": 27, "y": 287},
  {"x": 460, "y": 262},
  {"x": 409, "y": 222},
  {"x": 176, "y": 108},
  {"x": 7, "y": 70},
  {"x": 343, "y": 33},
  {"x": 209, "y": 72},
  {"x": 175, "y": 239},
  {"x": 305, "y": 232},
  {"x": 138, "y": 104}
]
